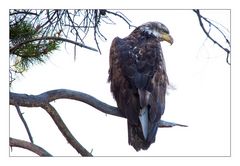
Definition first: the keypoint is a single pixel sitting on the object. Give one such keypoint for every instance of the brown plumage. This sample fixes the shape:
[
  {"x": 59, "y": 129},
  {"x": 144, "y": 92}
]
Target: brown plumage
[{"x": 138, "y": 80}]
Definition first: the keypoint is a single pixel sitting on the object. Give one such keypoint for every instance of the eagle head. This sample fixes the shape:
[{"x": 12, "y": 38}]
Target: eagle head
[{"x": 158, "y": 30}]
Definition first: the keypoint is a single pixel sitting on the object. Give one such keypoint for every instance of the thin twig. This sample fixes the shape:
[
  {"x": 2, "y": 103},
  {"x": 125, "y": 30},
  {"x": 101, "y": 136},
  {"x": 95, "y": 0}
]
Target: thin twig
[
  {"x": 122, "y": 17},
  {"x": 13, "y": 49},
  {"x": 200, "y": 17},
  {"x": 23, "y": 12},
  {"x": 96, "y": 22},
  {"x": 27, "y": 145},
  {"x": 24, "y": 123}
]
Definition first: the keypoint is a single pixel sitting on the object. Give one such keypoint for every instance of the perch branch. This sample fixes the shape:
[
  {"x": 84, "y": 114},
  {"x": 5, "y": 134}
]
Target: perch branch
[
  {"x": 49, "y": 96},
  {"x": 42, "y": 100},
  {"x": 28, "y": 145}
]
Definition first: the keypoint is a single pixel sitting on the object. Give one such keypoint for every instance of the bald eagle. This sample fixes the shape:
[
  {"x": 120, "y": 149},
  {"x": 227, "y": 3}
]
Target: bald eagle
[{"x": 138, "y": 80}]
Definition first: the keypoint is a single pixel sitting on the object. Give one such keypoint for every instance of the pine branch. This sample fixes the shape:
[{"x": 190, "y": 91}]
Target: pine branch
[{"x": 14, "y": 48}]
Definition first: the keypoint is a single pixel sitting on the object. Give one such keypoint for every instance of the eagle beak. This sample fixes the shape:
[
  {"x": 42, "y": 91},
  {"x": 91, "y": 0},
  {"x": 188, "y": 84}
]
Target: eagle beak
[{"x": 168, "y": 38}]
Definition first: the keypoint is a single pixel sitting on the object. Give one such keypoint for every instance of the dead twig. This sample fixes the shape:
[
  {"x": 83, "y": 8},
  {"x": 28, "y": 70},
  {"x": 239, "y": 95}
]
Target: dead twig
[
  {"x": 24, "y": 123},
  {"x": 200, "y": 18}
]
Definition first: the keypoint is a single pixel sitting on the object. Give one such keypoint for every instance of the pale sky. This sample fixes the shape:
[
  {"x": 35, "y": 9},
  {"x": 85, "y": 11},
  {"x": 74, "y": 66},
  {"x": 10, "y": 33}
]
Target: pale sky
[{"x": 196, "y": 68}]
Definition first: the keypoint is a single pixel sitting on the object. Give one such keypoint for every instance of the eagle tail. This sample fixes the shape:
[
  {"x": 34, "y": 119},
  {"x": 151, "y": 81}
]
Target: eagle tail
[
  {"x": 143, "y": 135},
  {"x": 136, "y": 138}
]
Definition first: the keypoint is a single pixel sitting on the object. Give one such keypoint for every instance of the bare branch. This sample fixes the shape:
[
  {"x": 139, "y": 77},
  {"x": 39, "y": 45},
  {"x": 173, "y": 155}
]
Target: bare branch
[
  {"x": 49, "y": 96},
  {"x": 200, "y": 17},
  {"x": 96, "y": 23},
  {"x": 51, "y": 38},
  {"x": 30, "y": 146},
  {"x": 64, "y": 130},
  {"x": 122, "y": 16},
  {"x": 23, "y": 12},
  {"x": 43, "y": 100},
  {"x": 24, "y": 123}
]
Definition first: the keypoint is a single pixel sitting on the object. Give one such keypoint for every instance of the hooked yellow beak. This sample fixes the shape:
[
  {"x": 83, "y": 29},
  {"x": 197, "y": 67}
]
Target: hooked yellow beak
[{"x": 168, "y": 38}]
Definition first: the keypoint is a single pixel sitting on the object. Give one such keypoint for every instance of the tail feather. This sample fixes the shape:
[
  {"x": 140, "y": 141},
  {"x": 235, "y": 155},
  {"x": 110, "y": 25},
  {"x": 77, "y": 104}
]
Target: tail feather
[
  {"x": 136, "y": 136},
  {"x": 153, "y": 127},
  {"x": 143, "y": 117}
]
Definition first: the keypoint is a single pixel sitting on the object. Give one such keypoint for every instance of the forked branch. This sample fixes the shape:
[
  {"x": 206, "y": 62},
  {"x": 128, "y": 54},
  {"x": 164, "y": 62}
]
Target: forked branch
[{"x": 43, "y": 100}]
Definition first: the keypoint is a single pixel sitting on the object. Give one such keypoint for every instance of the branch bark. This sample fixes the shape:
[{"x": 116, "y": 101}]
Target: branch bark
[
  {"x": 28, "y": 145},
  {"x": 49, "y": 96}
]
